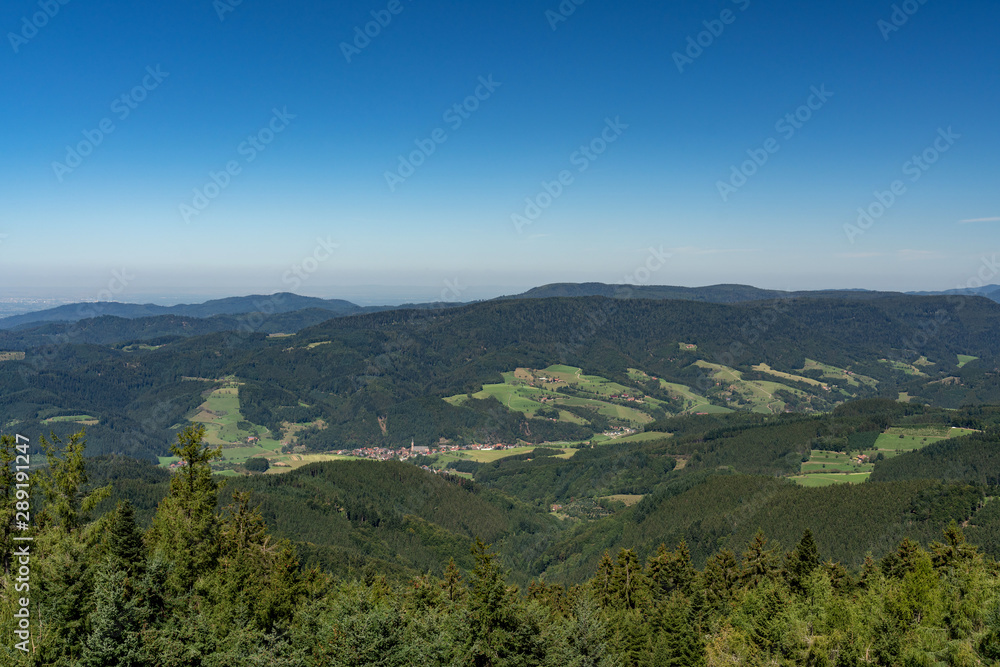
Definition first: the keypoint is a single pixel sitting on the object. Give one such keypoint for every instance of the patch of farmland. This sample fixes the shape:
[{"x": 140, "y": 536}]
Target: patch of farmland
[
  {"x": 852, "y": 378},
  {"x": 764, "y": 368},
  {"x": 963, "y": 359},
  {"x": 831, "y": 479},
  {"x": 909, "y": 369},
  {"x": 86, "y": 420}
]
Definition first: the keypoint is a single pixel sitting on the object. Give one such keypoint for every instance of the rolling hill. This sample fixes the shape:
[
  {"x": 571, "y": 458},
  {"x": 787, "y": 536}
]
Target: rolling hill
[{"x": 381, "y": 378}]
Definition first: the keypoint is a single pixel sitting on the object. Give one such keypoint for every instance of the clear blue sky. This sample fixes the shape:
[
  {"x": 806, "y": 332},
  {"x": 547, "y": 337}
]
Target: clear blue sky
[{"x": 197, "y": 86}]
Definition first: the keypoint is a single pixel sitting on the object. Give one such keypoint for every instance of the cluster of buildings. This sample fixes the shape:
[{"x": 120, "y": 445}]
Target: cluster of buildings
[
  {"x": 627, "y": 397},
  {"x": 403, "y": 453}
]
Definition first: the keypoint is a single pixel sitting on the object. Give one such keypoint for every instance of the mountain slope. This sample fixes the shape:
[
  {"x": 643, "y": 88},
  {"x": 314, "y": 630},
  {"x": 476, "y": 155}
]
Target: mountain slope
[
  {"x": 380, "y": 378},
  {"x": 276, "y": 303}
]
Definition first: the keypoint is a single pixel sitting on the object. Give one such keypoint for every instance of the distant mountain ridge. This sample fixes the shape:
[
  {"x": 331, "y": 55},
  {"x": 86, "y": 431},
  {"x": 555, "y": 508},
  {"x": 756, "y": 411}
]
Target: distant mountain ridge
[
  {"x": 725, "y": 293},
  {"x": 285, "y": 302},
  {"x": 282, "y": 302},
  {"x": 989, "y": 291}
]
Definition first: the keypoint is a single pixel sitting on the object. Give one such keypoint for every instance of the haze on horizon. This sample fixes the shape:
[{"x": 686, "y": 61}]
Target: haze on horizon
[{"x": 214, "y": 149}]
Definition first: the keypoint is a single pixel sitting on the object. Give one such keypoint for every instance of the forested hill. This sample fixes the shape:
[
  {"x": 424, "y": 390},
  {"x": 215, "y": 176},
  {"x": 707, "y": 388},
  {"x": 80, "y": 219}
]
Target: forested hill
[
  {"x": 723, "y": 293},
  {"x": 211, "y": 585},
  {"x": 274, "y": 303},
  {"x": 111, "y": 330},
  {"x": 709, "y": 293},
  {"x": 380, "y": 378}
]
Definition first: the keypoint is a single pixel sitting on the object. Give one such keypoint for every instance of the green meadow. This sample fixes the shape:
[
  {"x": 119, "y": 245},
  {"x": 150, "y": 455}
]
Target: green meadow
[
  {"x": 815, "y": 480},
  {"x": 528, "y": 391},
  {"x": 963, "y": 359},
  {"x": 225, "y": 426},
  {"x": 86, "y": 420},
  {"x": 835, "y": 372}
]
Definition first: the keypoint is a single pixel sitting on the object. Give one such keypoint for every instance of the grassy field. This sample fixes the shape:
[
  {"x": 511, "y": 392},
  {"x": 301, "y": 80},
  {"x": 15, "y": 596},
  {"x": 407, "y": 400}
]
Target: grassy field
[
  {"x": 963, "y": 359},
  {"x": 226, "y": 426},
  {"x": 825, "y": 467},
  {"x": 758, "y": 395},
  {"x": 828, "y": 462},
  {"x": 909, "y": 369},
  {"x": 86, "y": 420},
  {"x": 903, "y": 438},
  {"x": 829, "y": 371},
  {"x": 488, "y": 456},
  {"x": 290, "y": 461},
  {"x": 140, "y": 346},
  {"x": 692, "y": 402},
  {"x": 627, "y": 498},
  {"x": 635, "y": 437},
  {"x": 831, "y": 479},
  {"x": 764, "y": 368},
  {"x": 293, "y": 461},
  {"x": 528, "y": 391}
]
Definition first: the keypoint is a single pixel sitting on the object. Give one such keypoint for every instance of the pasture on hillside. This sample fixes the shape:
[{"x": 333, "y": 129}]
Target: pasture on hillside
[{"x": 535, "y": 392}]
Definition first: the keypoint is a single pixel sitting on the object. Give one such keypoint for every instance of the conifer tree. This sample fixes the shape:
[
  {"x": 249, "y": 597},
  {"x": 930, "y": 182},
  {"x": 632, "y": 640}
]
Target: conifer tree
[
  {"x": 114, "y": 640},
  {"x": 671, "y": 571},
  {"x": 801, "y": 561},
  {"x": 902, "y": 560},
  {"x": 759, "y": 561},
  {"x": 124, "y": 541},
  {"x": 628, "y": 582},
  {"x": 954, "y": 550},
  {"x": 603, "y": 581},
  {"x": 8, "y": 500},
  {"x": 256, "y": 580},
  {"x": 185, "y": 528},
  {"x": 68, "y": 547},
  {"x": 499, "y": 634},
  {"x": 451, "y": 584},
  {"x": 680, "y": 643},
  {"x": 721, "y": 578},
  {"x": 63, "y": 482}
]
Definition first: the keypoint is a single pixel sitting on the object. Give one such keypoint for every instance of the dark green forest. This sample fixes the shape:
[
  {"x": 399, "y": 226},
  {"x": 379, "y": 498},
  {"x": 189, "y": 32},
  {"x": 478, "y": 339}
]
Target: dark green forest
[
  {"x": 691, "y": 546},
  {"x": 206, "y": 578},
  {"x": 397, "y": 365}
]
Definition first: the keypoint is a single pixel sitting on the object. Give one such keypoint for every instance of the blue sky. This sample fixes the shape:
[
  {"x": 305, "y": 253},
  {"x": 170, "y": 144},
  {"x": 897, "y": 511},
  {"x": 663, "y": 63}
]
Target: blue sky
[{"x": 209, "y": 85}]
